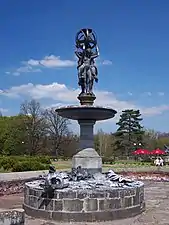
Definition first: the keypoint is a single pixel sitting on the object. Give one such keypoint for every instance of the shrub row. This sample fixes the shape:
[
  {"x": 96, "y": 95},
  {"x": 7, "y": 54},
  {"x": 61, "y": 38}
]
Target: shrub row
[{"x": 24, "y": 163}]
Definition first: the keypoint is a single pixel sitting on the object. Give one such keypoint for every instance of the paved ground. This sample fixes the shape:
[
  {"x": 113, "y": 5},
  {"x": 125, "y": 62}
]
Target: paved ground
[{"x": 157, "y": 208}]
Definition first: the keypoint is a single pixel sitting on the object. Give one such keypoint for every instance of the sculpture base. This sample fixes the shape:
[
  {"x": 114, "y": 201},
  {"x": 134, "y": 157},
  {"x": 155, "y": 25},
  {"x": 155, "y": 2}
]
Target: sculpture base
[
  {"x": 88, "y": 159},
  {"x": 86, "y": 99}
]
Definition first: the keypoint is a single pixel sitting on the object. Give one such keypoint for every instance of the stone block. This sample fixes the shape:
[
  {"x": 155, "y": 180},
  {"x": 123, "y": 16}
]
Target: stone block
[
  {"x": 49, "y": 203},
  {"x": 38, "y": 193},
  {"x": 101, "y": 204},
  {"x": 136, "y": 199},
  {"x": 41, "y": 203},
  {"x": 88, "y": 159},
  {"x": 113, "y": 194},
  {"x": 141, "y": 197},
  {"x": 81, "y": 195},
  {"x": 66, "y": 194},
  {"x": 127, "y": 192},
  {"x": 97, "y": 195},
  {"x": 58, "y": 206},
  {"x": 109, "y": 204},
  {"x": 32, "y": 192},
  {"x": 33, "y": 202},
  {"x": 90, "y": 204},
  {"x": 112, "y": 204},
  {"x": 72, "y": 205},
  {"x": 128, "y": 202}
]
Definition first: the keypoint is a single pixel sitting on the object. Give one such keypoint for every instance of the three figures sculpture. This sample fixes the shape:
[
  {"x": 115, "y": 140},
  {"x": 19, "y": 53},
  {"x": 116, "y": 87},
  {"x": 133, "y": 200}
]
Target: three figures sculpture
[{"x": 86, "y": 51}]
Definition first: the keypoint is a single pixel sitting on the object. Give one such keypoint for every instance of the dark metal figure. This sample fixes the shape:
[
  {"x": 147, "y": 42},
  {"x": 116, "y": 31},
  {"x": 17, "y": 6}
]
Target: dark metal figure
[{"x": 86, "y": 51}]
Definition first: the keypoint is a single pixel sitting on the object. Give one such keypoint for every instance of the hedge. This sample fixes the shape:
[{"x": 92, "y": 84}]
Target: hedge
[{"x": 24, "y": 163}]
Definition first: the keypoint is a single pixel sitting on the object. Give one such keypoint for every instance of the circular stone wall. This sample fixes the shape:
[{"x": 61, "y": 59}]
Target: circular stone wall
[{"x": 85, "y": 205}]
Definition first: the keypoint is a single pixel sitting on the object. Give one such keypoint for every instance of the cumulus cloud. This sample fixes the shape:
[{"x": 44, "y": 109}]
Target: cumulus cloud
[
  {"x": 52, "y": 61},
  {"x": 24, "y": 69},
  {"x": 63, "y": 95}
]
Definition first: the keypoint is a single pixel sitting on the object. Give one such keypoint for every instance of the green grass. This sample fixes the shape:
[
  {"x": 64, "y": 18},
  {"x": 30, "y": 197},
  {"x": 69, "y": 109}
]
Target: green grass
[{"x": 118, "y": 167}]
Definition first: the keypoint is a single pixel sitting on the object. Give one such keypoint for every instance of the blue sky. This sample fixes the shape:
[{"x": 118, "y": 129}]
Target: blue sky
[{"x": 133, "y": 65}]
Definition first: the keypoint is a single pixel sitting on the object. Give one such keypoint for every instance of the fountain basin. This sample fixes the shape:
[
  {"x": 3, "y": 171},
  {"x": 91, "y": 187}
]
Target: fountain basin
[
  {"x": 88, "y": 112},
  {"x": 85, "y": 201}
]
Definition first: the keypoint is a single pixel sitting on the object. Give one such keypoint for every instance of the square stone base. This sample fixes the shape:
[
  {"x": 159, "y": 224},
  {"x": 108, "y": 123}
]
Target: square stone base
[{"x": 88, "y": 159}]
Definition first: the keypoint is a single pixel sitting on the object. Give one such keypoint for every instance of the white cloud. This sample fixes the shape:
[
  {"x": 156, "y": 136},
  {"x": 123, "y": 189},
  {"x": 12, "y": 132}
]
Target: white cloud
[
  {"x": 64, "y": 95},
  {"x": 2, "y": 110},
  {"x": 160, "y": 93},
  {"x": 107, "y": 62},
  {"x": 155, "y": 110},
  {"x": 51, "y": 61},
  {"x": 130, "y": 93},
  {"x": 148, "y": 93},
  {"x": 24, "y": 69}
]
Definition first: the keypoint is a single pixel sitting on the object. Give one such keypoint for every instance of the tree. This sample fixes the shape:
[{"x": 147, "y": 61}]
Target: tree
[
  {"x": 155, "y": 139},
  {"x": 57, "y": 129},
  {"x": 129, "y": 131},
  {"x": 104, "y": 143},
  {"x": 35, "y": 125},
  {"x": 12, "y": 133}
]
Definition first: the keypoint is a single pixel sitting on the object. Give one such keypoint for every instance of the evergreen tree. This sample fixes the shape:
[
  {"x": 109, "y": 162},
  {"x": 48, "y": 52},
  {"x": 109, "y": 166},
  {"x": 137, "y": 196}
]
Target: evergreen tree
[{"x": 129, "y": 132}]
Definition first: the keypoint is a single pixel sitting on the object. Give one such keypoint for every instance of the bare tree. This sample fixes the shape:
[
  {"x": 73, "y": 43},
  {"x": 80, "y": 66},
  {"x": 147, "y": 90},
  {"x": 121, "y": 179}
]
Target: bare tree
[
  {"x": 105, "y": 141},
  {"x": 57, "y": 128},
  {"x": 34, "y": 124}
]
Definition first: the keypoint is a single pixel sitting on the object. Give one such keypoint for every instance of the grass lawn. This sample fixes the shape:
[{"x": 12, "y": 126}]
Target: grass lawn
[{"x": 66, "y": 165}]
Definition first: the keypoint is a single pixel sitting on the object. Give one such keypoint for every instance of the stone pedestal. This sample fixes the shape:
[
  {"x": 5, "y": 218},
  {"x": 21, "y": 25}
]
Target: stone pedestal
[
  {"x": 88, "y": 159},
  {"x": 86, "y": 99},
  {"x": 86, "y": 133}
]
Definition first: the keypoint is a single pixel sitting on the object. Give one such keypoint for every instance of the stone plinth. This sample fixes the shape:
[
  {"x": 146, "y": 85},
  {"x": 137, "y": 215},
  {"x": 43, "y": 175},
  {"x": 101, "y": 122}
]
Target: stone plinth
[
  {"x": 88, "y": 159},
  {"x": 86, "y": 99},
  {"x": 79, "y": 205}
]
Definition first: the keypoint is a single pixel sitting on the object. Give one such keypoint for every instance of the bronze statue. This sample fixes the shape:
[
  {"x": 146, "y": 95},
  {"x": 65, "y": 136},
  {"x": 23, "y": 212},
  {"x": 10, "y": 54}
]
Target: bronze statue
[{"x": 86, "y": 51}]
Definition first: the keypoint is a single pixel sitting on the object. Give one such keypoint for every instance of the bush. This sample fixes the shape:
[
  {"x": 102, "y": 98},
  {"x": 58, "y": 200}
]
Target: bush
[
  {"x": 44, "y": 159},
  {"x": 107, "y": 160},
  {"x": 24, "y": 163},
  {"x": 29, "y": 166},
  {"x": 7, "y": 163}
]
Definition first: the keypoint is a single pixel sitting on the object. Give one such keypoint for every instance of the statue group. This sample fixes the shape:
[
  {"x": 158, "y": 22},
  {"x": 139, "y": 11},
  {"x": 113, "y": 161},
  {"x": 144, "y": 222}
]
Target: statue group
[{"x": 86, "y": 51}]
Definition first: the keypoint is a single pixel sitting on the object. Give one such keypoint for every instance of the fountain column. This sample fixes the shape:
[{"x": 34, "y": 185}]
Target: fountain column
[{"x": 86, "y": 133}]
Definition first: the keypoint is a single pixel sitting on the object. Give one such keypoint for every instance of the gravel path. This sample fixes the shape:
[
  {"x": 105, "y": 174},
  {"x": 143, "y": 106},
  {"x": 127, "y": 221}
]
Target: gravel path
[{"x": 157, "y": 208}]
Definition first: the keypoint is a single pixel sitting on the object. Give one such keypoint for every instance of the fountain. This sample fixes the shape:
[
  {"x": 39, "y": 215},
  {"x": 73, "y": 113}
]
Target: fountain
[{"x": 85, "y": 193}]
